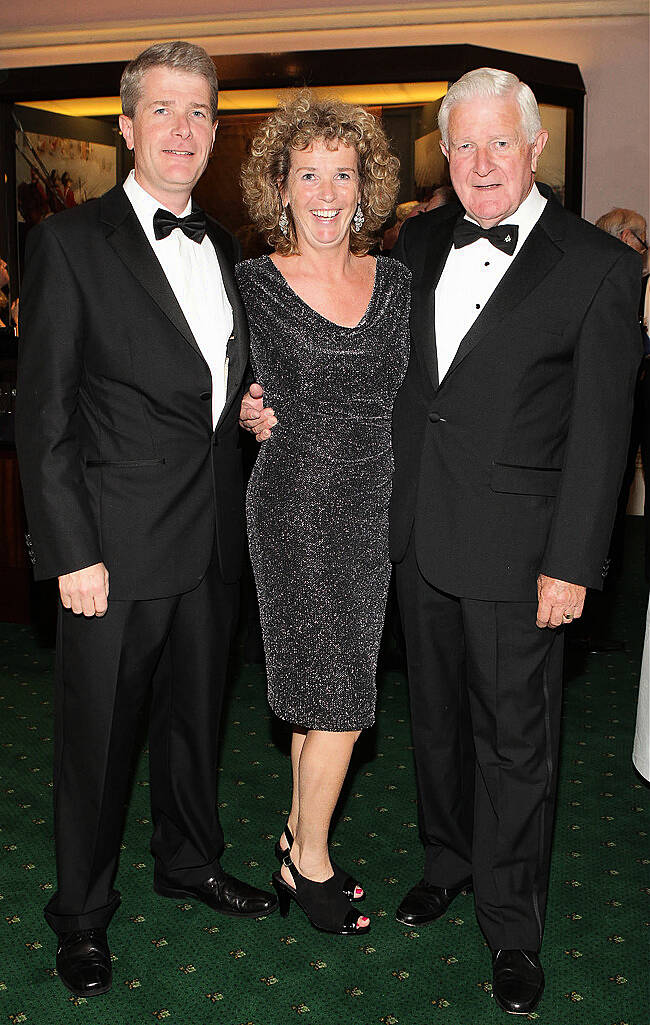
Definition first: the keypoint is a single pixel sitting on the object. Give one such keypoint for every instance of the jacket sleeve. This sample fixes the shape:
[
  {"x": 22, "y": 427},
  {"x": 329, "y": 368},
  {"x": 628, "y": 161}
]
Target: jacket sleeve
[
  {"x": 63, "y": 532},
  {"x": 605, "y": 366}
]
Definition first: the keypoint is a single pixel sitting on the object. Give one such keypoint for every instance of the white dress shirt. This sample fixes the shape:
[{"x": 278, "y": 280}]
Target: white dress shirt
[
  {"x": 471, "y": 275},
  {"x": 194, "y": 275}
]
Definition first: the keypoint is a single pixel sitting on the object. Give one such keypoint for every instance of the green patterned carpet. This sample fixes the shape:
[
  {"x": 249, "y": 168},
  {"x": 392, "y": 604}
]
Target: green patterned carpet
[{"x": 180, "y": 963}]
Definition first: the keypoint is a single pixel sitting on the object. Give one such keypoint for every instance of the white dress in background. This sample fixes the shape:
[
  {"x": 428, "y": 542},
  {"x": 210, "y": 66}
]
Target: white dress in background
[{"x": 641, "y": 753}]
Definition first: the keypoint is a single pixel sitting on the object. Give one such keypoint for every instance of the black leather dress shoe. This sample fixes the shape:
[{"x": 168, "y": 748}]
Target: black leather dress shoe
[
  {"x": 227, "y": 895},
  {"x": 425, "y": 902},
  {"x": 83, "y": 962},
  {"x": 517, "y": 980}
]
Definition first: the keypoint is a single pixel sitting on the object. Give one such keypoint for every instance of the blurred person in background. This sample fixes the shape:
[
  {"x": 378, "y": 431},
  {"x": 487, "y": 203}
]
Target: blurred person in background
[
  {"x": 441, "y": 195},
  {"x": 8, "y": 308}
]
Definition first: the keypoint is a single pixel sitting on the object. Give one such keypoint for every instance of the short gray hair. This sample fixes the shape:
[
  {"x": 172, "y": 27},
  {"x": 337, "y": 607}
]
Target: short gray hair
[
  {"x": 619, "y": 219},
  {"x": 491, "y": 82},
  {"x": 180, "y": 56}
]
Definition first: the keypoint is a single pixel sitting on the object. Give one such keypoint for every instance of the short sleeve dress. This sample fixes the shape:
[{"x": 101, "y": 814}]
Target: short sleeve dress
[{"x": 317, "y": 502}]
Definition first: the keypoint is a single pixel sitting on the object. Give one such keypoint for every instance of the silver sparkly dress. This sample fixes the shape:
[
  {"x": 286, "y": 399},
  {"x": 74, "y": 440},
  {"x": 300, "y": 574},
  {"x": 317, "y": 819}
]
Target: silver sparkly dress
[{"x": 317, "y": 503}]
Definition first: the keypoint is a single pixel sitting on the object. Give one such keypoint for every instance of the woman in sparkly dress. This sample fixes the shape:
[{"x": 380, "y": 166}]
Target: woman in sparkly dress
[{"x": 329, "y": 344}]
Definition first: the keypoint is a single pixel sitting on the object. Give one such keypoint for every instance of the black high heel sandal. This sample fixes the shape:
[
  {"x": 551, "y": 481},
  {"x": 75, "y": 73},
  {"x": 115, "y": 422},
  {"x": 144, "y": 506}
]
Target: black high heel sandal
[
  {"x": 346, "y": 882},
  {"x": 325, "y": 906}
]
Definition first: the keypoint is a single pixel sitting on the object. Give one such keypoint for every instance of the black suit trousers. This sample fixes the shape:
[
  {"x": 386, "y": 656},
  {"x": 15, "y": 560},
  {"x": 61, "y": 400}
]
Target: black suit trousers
[
  {"x": 175, "y": 651},
  {"x": 485, "y": 688}
]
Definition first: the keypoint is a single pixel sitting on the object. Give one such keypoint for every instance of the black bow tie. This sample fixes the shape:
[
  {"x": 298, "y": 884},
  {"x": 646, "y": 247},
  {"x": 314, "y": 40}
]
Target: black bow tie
[
  {"x": 193, "y": 225},
  {"x": 503, "y": 236}
]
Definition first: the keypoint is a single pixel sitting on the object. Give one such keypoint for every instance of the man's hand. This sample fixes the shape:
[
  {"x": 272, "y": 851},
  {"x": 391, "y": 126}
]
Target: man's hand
[
  {"x": 254, "y": 416},
  {"x": 86, "y": 590},
  {"x": 558, "y": 601}
]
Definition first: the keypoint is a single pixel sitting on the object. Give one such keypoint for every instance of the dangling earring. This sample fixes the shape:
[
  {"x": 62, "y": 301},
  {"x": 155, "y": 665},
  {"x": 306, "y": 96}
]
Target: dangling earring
[
  {"x": 358, "y": 220},
  {"x": 283, "y": 223}
]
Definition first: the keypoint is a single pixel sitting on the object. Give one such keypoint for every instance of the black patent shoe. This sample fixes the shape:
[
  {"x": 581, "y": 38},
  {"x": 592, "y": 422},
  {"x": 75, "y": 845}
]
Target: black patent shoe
[
  {"x": 324, "y": 904},
  {"x": 348, "y": 885},
  {"x": 83, "y": 962},
  {"x": 517, "y": 980},
  {"x": 425, "y": 902},
  {"x": 227, "y": 895}
]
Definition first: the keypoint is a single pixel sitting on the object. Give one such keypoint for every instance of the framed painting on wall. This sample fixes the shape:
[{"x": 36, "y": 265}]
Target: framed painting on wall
[{"x": 60, "y": 162}]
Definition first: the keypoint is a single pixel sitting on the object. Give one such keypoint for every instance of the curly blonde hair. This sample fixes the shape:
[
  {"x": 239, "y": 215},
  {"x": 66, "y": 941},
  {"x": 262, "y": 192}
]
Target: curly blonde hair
[{"x": 295, "y": 125}]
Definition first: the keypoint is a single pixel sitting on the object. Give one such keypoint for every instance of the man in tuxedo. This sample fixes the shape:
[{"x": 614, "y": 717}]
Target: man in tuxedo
[
  {"x": 133, "y": 351},
  {"x": 510, "y": 436}
]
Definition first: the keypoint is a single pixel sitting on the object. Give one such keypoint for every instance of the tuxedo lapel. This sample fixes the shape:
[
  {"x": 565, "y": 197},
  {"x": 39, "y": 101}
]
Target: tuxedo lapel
[
  {"x": 538, "y": 255},
  {"x": 424, "y": 336},
  {"x": 125, "y": 235},
  {"x": 238, "y": 341}
]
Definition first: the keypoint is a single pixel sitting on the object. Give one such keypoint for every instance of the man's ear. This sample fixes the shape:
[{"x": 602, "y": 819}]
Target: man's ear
[
  {"x": 445, "y": 151},
  {"x": 126, "y": 128},
  {"x": 538, "y": 146}
]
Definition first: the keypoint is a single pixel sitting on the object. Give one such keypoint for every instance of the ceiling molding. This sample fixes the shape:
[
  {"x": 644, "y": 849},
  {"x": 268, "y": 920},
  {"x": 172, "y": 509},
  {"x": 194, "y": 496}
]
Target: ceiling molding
[{"x": 317, "y": 28}]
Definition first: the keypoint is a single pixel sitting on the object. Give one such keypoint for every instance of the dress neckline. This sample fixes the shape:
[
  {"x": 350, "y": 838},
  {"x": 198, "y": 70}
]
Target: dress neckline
[{"x": 341, "y": 327}]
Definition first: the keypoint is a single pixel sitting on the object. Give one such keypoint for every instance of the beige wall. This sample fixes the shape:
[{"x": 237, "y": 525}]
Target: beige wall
[{"x": 611, "y": 50}]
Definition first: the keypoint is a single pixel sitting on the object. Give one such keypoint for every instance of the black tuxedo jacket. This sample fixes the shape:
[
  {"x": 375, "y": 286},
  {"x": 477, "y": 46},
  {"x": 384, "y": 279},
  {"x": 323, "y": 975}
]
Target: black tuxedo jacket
[
  {"x": 511, "y": 466},
  {"x": 118, "y": 459}
]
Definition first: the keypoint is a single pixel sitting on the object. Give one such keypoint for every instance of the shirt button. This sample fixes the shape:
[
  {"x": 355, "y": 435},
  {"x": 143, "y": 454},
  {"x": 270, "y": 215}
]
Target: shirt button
[
  {"x": 434, "y": 418},
  {"x": 205, "y": 395},
  {"x": 478, "y": 306},
  {"x": 487, "y": 263}
]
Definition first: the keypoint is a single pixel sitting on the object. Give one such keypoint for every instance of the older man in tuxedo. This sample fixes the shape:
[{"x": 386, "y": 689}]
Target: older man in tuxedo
[
  {"x": 133, "y": 351},
  {"x": 510, "y": 435}
]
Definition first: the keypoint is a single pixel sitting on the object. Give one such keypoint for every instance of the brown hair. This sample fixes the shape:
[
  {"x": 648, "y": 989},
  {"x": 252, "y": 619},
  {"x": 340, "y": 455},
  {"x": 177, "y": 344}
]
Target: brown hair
[
  {"x": 295, "y": 125},
  {"x": 180, "y": 56},
  {"x": 617, "y": 220}
]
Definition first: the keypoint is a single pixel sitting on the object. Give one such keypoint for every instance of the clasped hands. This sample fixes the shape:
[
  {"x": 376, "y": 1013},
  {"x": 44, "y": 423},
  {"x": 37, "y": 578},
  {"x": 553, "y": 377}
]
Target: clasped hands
[{"x": 558, "y": 601}]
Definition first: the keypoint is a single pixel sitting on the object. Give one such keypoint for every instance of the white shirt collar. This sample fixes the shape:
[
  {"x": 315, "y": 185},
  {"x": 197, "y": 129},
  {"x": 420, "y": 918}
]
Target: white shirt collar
[
  {"x": 145, "y": 205},
  {"x": 527, "y": 213}
]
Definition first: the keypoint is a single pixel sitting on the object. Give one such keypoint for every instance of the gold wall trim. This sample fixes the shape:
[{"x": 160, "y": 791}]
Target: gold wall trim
[
  {"x": 263, "y": 99},
  {"x": 319, "y": 27}
]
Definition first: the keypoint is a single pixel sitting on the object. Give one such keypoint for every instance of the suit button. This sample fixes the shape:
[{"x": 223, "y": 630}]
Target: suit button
[
  {"x": 434, "y": 418},
  {"x": 205, "y": 395}
]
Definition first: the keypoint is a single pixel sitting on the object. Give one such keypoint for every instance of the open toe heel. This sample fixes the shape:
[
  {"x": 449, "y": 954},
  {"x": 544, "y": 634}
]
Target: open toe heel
[
  {"x": 349, "y": 886},
  {"x": 325, "y": 906}
]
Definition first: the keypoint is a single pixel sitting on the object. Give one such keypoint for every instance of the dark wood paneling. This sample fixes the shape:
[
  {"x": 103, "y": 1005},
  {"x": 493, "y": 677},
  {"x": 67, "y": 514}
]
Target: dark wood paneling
[
  {"x": 15, "y": 569},
  {"x": 314, "y": 67}
]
